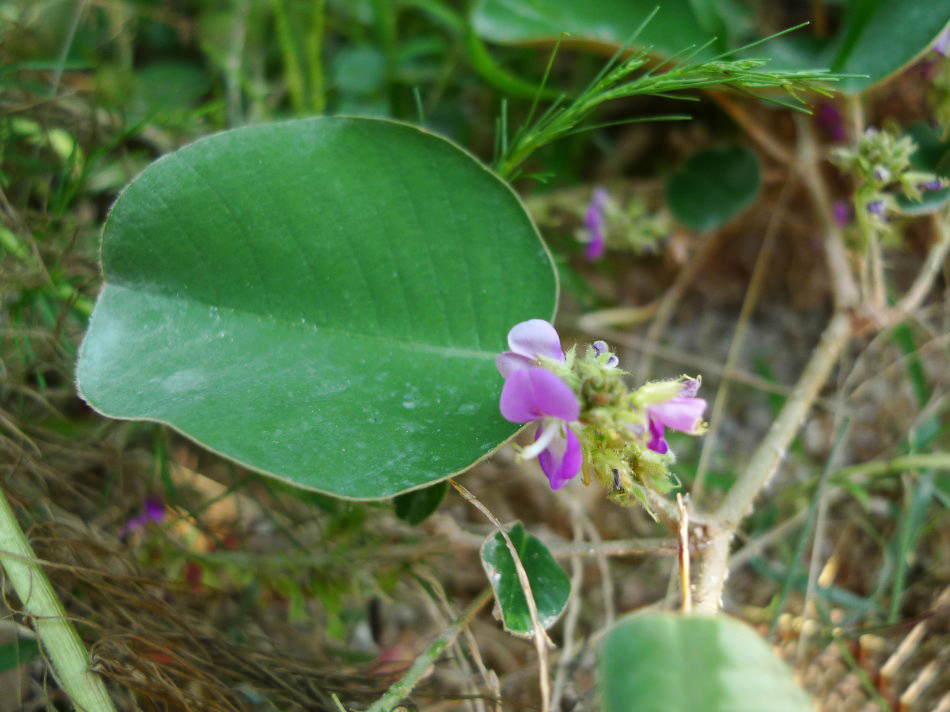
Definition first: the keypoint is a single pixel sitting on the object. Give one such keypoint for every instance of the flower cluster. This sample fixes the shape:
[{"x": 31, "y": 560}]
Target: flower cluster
[
  {"x": 630, "y": 226},
  {"x": 588, "y": 420},
  {"x": 882, "y": 170}
]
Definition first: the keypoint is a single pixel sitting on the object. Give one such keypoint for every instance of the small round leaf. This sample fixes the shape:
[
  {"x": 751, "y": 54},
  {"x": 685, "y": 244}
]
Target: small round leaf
[
  {"x": 549, "y": 584},
  {"x": 713, "y": 186}
]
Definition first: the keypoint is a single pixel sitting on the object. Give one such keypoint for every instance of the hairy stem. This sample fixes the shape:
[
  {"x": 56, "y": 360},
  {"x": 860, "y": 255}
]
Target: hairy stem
[{"x": 56, "y": 632}]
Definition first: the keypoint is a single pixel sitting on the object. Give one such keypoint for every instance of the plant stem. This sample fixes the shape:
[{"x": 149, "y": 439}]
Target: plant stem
[
  {"x": 916, "y": 461},
  {"x": 402, "y": 687},
  {"x": 765, "y": 461},
  {"x": 65, "y": 649}
]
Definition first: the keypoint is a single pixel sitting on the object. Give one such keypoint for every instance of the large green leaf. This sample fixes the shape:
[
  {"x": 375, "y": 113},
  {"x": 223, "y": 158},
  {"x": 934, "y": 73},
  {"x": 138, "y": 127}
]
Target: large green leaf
[
  {"x": 663, "y": 662},
  {"x": 549, "y": 584},
  {"x": 673, "y": 29},
  {"x": 712, "y": 186},
  {"x": 875, "y": 38},
  {"x": 321, "y": 300}
]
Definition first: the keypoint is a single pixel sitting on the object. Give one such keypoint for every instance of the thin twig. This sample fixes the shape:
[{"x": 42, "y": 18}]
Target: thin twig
[
  {"x": 765, "y": 461},
  {"x": 560, "y": 548},
  {"x": 400, "y": 689},
  {"x": 821, "y": 519},
  {"x": 541, "y": 640},
  {"x": 739, "y": 114},
  {"x": 928, "y": 273},
  {"x": 573, "y": 609},
  {"x": 685, "y": 585},
  {"x": 770, "y": 452},
  {"x": 673, "y": 296},
  {"x": 686, "y": 359},
  {"x": 606, "y": 580},
  {"x": 839, "y": 266},
  {"x": 749, "y": 302}
]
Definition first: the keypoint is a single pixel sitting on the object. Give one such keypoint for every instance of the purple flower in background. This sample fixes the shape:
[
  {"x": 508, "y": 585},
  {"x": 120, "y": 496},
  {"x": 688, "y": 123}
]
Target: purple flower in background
[
  {"x": 931, "y": 185},
  {"x": 537, "y": 395},
  {"x": 876, "y": 207},
  {"x": 683, "y": 413},
  {"x": 527, "y": 341},
  {"x": 831, "y": 122},
  {"x": 842, "y": 212},
  {"x": 152, "y": 511},
  {"x": 594, "y": 225}
]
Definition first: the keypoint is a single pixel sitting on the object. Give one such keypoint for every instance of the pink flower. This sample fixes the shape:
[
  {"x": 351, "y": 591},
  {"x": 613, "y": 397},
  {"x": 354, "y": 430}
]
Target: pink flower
[
  {"x": 528, "y": 341},
  {"x": 153, "y": 511},
  {"x": 683, "y": 413},
  {"x": 537, "y": 395},
  {"x": 534, "y": 394}
]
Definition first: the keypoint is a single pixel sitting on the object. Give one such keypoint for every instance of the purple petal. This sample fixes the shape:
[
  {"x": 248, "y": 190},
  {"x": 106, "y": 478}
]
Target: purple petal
[
  {"x": 535, "y": 337},
  {"x": 596, "y": 246},
  {"x": 154, "y": 509},
  {"x": 508, "y": 361},
  {"x": 831, "y": 121},
  {"x": 593, "y": 218},
  {"x": 594, "y": 222},
  {"x": 842, "y": 213},
  {"x": 562, "y": 459},
  {"x": 876, "y": 207},
  {"x": 690, "y": 388},
  {"x": 535, "y": 393},
  {"x": 943, "y": 42},
  {"x": 682, "y": 414},
  {"x": 657, "y": 441}
]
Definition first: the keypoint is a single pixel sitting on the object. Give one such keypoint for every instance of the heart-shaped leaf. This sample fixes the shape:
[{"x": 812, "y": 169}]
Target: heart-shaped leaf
[
  {"x": 320, "y": 300},
  {"x": 549, "y": 584},
  {"x": 663, "y": 662},
  {"x": 712, "y": 186}
]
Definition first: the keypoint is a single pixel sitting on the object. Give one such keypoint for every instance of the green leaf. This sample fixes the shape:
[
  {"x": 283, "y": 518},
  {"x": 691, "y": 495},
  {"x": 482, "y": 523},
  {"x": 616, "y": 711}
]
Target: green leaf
[
  {"x": 675, "y": 27},
  {"x": 876, "y": 38},
  {"x": 664, "y": 662},
  {"x": 549, "y": 584},
  {"x": 416, "y": 506},
  {"x": 20, "y": 651},
  {"x": 933, "y": 156},
  {"x": 713, "y": 186},
  {"x": 320, "y": 300}
]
